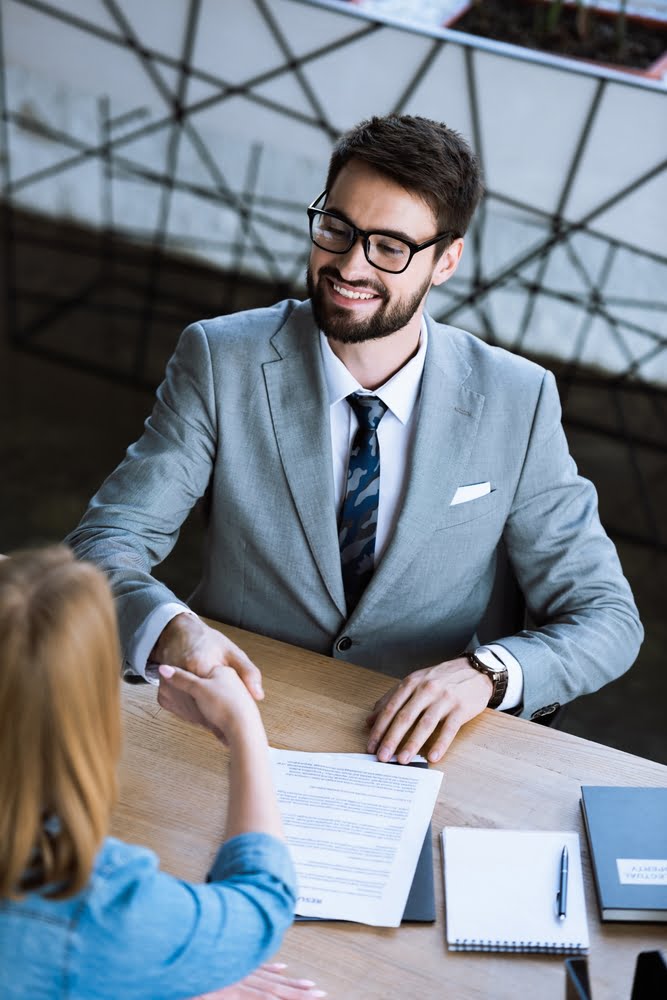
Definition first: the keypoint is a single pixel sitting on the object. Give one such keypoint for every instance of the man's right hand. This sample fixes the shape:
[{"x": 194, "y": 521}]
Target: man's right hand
[
  {"x": 188, "y": 643},
  {"x": 221, "y": 700}
]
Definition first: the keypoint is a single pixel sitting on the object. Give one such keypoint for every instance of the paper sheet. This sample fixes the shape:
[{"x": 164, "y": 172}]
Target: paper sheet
[{"x": 355, "y": 828}]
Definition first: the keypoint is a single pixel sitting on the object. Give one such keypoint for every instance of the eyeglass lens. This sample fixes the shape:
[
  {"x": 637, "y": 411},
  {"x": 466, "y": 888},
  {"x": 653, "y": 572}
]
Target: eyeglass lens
[{"x": 334, "y": 235}]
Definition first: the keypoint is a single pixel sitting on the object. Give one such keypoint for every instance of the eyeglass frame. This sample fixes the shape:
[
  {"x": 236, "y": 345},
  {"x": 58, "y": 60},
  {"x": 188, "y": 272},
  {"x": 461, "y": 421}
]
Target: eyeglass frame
[{"x": 414, "y": 248}]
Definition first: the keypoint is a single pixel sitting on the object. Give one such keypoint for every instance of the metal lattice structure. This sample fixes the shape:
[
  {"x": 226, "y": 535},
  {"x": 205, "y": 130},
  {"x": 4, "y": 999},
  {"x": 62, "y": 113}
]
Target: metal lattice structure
[{"x": 181, "y": 143}]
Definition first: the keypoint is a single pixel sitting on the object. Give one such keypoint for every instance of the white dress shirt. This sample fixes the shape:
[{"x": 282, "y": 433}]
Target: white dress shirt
[{"x": 395, "y": 434}]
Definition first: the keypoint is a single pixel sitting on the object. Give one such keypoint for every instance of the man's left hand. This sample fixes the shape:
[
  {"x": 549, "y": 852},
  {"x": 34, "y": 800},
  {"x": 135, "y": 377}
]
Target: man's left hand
[{"x": 427, "y": 706}]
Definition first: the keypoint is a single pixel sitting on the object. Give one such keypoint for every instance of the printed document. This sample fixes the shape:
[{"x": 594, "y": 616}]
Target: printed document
[{"x": 355, "y": 828}]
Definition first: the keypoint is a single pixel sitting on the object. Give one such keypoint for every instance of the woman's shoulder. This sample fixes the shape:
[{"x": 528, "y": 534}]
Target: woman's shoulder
[
  {"x": 115, "y": 856},
  {"x": 127, "y": 891},
  {"x": 121, "y": 868}
]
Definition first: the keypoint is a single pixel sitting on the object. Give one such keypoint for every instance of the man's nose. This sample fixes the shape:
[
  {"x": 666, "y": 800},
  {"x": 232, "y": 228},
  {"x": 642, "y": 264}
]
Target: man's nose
[{"x": 354, "y": 259}]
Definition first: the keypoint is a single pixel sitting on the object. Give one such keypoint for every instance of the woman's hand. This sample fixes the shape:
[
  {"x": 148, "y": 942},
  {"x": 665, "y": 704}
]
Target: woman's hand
[
  {"x": 220, "y": 701},
  {"x": 267, "y": 983}
]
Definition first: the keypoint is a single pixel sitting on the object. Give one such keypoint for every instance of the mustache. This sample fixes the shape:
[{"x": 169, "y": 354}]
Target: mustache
[{"x": 334, "y": 273}]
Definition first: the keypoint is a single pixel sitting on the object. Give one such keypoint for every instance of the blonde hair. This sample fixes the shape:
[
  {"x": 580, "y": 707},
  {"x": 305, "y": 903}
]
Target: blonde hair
[{"x": 60, "y": 712}]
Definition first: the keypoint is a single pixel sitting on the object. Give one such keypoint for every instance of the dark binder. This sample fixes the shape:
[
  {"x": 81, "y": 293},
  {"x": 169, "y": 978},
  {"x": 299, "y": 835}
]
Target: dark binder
[
  {"x": 420, "y": 904},
  {"x": 627, "y": 833}
]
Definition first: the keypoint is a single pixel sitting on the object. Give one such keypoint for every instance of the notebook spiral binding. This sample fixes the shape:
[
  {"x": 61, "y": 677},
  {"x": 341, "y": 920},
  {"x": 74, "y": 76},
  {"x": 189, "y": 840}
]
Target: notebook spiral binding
[{"x": 543, "y": 947}]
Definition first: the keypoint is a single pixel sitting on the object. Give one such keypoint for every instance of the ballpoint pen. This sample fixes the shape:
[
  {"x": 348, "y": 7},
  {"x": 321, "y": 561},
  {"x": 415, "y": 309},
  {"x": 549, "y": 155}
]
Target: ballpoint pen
[{"x": 561, "y": 897}]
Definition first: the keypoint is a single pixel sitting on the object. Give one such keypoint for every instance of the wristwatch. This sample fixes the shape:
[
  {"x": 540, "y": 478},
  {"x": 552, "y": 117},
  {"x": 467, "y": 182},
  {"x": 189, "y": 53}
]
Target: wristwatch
[{"x": 486, "y": 661}]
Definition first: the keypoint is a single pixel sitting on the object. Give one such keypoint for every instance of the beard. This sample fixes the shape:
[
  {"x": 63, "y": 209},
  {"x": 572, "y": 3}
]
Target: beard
[{"x": 337, "y": 324}]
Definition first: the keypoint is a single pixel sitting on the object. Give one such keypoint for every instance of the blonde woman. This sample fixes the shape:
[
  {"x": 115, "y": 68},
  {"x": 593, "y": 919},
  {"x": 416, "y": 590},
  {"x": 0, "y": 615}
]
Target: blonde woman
[{"x": 83, "y": 915}]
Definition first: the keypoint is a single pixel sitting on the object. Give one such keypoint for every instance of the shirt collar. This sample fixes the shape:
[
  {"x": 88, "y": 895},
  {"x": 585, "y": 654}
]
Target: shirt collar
[{"x": 399, "y": 393}]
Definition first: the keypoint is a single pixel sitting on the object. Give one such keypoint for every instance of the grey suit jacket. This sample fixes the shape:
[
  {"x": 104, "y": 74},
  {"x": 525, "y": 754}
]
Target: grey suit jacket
[{"x": 243, "y": 413}]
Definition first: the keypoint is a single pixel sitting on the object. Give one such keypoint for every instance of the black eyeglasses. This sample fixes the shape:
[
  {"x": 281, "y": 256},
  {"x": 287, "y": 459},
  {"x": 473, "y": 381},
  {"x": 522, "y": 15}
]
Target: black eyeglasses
[{"x": 383, "y": 250}]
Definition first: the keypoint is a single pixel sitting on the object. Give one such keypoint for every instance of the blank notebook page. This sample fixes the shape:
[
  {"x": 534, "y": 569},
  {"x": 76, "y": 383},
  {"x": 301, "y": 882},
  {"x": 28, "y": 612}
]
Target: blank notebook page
[{"x": 501, "y": 887}]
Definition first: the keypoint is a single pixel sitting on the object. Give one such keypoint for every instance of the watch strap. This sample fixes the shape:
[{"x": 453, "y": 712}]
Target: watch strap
[{"x": 499, "y": 677}]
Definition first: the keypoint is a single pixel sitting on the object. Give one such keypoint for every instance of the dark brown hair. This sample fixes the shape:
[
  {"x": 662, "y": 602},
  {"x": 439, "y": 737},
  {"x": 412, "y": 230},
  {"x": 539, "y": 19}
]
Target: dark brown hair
[{"x": 424, "y": 157}]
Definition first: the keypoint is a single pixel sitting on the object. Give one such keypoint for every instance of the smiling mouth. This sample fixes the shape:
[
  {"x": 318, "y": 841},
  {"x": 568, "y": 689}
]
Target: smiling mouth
[{"x": 348, "y": 293}]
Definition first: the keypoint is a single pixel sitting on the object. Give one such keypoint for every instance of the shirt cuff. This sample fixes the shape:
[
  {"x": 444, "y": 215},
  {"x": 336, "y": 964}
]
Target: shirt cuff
[
  {"x": 514, "y": 694},
  {"x": 147, "y": 635}
]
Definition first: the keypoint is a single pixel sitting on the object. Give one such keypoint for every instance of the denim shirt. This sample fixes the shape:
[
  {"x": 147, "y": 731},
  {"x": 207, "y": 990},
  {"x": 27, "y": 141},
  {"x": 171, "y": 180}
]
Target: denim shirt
[{"x": 136, "y": 932}]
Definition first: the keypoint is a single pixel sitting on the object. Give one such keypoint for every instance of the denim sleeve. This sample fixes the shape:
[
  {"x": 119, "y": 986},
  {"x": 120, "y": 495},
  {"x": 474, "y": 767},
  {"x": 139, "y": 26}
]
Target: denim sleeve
[{"x": 145, "y": 934}]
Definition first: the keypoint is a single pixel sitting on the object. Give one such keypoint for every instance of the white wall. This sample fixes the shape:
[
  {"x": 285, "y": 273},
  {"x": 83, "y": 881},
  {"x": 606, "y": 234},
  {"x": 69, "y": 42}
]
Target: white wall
[{"x": 531, "y": 116}]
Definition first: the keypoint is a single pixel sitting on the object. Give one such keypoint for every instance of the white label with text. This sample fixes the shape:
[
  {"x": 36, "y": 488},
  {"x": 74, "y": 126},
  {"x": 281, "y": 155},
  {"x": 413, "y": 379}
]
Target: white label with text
[{"x": 642, "y": 871}]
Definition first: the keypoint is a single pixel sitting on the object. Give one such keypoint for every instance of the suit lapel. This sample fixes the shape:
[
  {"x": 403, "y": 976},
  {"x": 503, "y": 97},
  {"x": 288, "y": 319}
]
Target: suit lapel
[
  {"x": 447, "y": 424},
  {"x": 300, "y": 414}
]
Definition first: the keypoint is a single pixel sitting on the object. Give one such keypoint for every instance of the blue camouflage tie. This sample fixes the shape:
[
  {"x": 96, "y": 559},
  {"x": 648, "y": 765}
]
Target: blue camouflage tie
[{"x": 359, "y": 514}]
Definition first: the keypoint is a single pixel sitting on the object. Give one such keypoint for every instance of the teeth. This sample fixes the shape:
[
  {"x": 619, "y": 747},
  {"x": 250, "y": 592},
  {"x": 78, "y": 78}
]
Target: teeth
[{"x": 346, "y": 293}]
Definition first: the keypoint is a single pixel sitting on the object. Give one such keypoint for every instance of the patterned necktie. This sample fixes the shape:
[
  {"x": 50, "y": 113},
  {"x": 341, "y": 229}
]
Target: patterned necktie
[{"x": 359, "y": 514}]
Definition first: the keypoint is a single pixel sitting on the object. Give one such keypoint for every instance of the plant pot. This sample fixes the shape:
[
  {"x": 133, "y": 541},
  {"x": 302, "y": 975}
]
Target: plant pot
[{"x": 513, "y": 22}]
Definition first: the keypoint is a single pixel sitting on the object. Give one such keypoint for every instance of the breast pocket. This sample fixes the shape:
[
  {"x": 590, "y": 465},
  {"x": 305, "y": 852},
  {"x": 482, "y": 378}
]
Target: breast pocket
[{"x": 471, "y": 510}]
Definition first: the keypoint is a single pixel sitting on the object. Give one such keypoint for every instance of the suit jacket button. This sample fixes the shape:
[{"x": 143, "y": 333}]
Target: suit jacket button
[{"x": 344, "y": 644}]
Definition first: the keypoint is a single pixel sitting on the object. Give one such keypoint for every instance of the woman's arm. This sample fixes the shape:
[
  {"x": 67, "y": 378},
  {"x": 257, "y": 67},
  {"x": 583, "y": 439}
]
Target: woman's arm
[{"x": 228, "y": 709}]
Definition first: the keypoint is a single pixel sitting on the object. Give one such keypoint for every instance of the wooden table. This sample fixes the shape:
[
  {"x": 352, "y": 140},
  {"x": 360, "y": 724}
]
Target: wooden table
[{"x": 500, "y": 772}]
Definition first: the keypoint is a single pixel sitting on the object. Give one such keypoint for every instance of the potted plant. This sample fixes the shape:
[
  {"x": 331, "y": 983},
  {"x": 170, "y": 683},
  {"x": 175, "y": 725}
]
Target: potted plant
[{"x": 573, "y": 28}]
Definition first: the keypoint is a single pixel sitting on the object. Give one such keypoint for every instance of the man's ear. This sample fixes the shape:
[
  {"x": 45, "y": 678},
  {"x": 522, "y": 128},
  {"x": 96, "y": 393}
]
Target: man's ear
[{"x": 448, "y": 262}]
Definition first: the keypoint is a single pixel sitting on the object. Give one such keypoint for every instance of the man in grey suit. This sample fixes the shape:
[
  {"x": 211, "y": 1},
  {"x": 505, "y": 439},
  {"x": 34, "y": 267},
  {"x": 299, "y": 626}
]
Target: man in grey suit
[{"x": 365, "y": 466}]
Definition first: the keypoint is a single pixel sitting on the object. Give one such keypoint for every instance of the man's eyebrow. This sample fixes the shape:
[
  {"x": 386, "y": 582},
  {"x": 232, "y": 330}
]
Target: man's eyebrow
[{"x": 398, "y": 233}]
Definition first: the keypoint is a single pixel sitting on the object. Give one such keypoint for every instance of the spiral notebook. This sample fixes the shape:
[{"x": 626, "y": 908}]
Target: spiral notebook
[{"x": 501, "y": 888}]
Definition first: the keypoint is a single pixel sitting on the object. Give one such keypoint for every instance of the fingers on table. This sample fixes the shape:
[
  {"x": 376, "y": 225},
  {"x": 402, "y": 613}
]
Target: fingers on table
[
  {"x": 387, "y": 709},
  {"x": 415, "y": 715},
  {"x": 270, "y": 982}
]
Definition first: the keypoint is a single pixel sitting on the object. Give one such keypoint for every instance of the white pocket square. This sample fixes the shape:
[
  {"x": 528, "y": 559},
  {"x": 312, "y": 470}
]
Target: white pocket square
[{"x": 474, "y": 492}]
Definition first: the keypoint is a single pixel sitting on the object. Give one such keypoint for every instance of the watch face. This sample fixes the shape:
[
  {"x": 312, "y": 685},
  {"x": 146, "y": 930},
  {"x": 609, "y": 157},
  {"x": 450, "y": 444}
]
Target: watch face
[
  {"x": 495, "y": 669},
  {"x": 498, "y": 675},
  {"x": 484, "y": 668}
]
